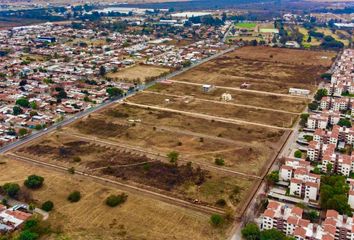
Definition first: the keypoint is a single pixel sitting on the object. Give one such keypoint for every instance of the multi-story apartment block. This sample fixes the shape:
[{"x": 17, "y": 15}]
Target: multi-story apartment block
[
  {"x": 335, "y": 104},
  {"x": 289, "y": 220},
  {"x": 303, "y": 183},
  {"x": 341, "y": 226},
  {"x": 317, "y": 150}
]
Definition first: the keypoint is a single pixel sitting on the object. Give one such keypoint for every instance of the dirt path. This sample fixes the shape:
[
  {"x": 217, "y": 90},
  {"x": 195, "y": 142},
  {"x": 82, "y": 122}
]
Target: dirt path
[
  {"x": 242, "y": 89},
  {"x": 226, "y": 103},
  {"x": 205, "y": 116}
]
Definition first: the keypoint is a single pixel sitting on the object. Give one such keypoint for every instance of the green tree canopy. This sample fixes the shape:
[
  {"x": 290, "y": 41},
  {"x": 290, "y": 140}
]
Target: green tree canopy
[
  {"x": 114, "y": 92},
  {"x": 74, "y": 196},
  {"x": 115, "y": 200},
  {"x": 251, "y": 232},
  {"x": 344, "y": 122},
  {"x": 333, "y": 194},
  {"x": 321, "y": 93},
  {"x": 34, "y": 181},
  {"x": 11, "y": 189},
  {"x": 47, "y": 206},
  {"x": 23, "y": 102}
]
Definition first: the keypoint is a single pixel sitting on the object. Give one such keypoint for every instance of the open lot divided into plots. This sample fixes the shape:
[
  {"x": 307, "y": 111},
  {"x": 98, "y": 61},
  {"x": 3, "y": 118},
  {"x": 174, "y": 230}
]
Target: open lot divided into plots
[
  {"x": 217, "y": 109},
  {"x": 265, "y": 69},
  {"x": 283, "y": 103}
]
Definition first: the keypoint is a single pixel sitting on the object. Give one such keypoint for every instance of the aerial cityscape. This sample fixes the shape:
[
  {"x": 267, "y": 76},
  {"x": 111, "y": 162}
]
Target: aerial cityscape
[{"x": 177, "y": 119}]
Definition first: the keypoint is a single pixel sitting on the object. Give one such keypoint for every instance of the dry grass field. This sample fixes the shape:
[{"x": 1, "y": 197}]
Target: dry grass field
[
  {"x": 157, "y": 133},
  {"x": 90, "y": 219},
  {"x": 290, "y": 104},
  {"x": 147, "y": 171},
  {"x": 189, "y": 104},
  {"x": 266, "y": 69},
  {"x": 138, "y": 73}
]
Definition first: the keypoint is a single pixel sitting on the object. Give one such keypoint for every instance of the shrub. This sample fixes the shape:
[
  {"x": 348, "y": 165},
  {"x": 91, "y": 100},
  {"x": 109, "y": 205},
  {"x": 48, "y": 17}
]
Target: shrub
[
  {"x": 173, "y": 156},
  {"x": 34, "y": 181},
  {"x": 216, "y": 220},
  {"x": 221, "y": 202},
  {"x": 47, "y": 206},
  {"x": 77, "y": 159},
  {"x": 219, "y": 161},
  {"x": 74, "y": 196},
  {"x": 115, "y": 200}
]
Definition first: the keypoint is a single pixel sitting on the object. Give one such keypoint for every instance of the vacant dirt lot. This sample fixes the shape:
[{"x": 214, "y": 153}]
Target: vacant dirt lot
[
  {"x": 190, "y": 104},
  {"x": 290, "y": 104},
  {"x": 266, "y": 69},
  {"x": 138, "y": 169},
  {"x": 139, "y": 218},
  {"x": 138, "y": 73}
]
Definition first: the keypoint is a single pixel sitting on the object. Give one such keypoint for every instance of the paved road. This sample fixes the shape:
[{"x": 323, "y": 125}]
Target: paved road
[{"x": 108, "y": 103}]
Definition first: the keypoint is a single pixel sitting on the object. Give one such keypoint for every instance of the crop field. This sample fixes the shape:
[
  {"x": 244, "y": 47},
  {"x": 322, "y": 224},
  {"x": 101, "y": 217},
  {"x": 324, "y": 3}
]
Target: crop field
[
  {"x": 266, "y": 69},
  {"x": 138, "y": 73},
  {"x": 139, "y": 218}
]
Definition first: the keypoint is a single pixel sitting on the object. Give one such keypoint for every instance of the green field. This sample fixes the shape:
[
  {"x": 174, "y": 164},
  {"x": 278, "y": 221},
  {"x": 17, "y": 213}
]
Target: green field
[{"x": 245, "y": 25}]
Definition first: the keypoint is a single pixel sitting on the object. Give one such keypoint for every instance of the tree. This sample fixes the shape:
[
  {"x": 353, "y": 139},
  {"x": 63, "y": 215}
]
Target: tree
[
  {"x": 313, "y": 106},
  {"x": 114, "y": 92},
  {"x": 272, "y": 234},
  {"x": 173, "y": 157},
  {"x": 216, "y": 220},
  {"x": 22, "y": 132},
  {"x": 334, "y": 194},
  {"x": 251, "y": 232},
  {"x": 34, "y": 181},
  {"x": 273, "y": 177},
  {"x": 313, "y": 215},
  {"x": 115, "y": 200},
  {"x": 321, "y": 93},
  {"x": 343, "y": 122},
  {"x": 74, "y": 196},
  {"x": 11, "y": 189},
  {"x": 298, "y": 154},
  {"x": 28, "y": 235},
  {"x": 304, "y": 117},
  {"x": 102, "y": 71},
  {"x": 23, "y": 102},
  {"x": 33, "y": 105},
  {"x": 47, "y": 206},
  {"x": 17, "y": 110}
]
